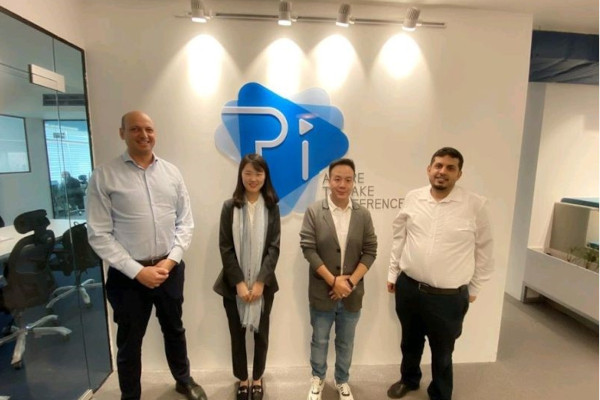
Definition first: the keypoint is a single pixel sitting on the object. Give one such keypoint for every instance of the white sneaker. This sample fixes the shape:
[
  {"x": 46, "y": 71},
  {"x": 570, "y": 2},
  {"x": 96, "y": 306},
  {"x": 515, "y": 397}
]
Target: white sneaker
[
  {"x": 344, "y": 391},
  {"x": 316, "y": 388}
]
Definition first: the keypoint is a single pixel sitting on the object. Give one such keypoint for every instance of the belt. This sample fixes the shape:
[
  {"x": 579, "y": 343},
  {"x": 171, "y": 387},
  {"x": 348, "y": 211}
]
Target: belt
[
  {"x": 152, "y": 261},
  {"x": 425, "y": 288}
]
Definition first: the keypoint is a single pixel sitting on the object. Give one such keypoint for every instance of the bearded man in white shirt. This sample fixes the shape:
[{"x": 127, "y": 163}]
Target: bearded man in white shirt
[{"x": 441, "y": 255}]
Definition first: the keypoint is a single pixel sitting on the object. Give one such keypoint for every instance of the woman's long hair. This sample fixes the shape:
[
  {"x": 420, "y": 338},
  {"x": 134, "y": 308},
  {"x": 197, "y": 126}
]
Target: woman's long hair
[{"x": 267, "y": 190}]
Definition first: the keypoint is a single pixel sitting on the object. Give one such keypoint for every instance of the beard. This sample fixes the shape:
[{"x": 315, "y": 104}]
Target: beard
[{"x": 439, "y": 183}]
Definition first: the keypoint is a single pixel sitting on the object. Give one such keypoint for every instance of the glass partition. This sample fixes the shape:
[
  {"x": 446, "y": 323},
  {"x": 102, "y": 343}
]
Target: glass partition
[
  {"x": 53, "y": 329},
  {"x": 574, "y": 235}
]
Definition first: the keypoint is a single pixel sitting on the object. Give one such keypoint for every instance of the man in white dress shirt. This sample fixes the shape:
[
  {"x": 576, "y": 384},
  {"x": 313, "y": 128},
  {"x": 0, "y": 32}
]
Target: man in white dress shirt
[{"x": 441, "y": 255}]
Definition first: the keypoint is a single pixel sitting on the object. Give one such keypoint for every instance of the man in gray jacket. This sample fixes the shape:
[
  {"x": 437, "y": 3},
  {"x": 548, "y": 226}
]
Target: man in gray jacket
[{"x": 339, "y": 242}]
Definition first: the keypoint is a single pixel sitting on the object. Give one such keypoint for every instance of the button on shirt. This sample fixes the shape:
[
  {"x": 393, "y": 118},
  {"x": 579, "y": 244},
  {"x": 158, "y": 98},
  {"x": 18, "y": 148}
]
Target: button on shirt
[
  {"x": 444, "y": 244},
  {"x": 138, "y": 214},
  {"x": 341, "y": 221}
]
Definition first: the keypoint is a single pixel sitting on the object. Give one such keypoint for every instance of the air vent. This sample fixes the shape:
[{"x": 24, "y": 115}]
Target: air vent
[{"x": 64, "y": 99}]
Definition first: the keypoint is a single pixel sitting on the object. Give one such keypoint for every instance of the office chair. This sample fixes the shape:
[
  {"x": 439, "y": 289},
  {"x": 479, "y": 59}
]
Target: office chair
[
  {"x": 77, "y": 255},
  {"x": 30, "y": 282}
]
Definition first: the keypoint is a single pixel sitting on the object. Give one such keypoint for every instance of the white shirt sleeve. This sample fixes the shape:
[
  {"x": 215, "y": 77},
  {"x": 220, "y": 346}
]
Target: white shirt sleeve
[
  {"x": 100, "y": 229},
  {"x": 398, "y": 241},
  {"x": 484, "y": 249},
  {"x": 184, "y": 224}
]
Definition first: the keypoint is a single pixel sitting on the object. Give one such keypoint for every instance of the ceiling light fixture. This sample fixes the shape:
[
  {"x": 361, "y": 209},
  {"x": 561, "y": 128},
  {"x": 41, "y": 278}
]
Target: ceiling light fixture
[
  {"x": 343, "y": 17},
  {"x": 411, "y": 20},
  {"x": 284, "y": 17},
  {"x": 199, "y": 13},
  {"x": 285, "y": 13}
]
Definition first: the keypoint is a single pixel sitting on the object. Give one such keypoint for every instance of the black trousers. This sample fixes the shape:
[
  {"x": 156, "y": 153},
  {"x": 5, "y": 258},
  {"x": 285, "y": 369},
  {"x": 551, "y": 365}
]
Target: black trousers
[
  {"x": 132, "y": 305},
  {"x": 439, "y": 317},
  {"x": 238, "y": 339}
]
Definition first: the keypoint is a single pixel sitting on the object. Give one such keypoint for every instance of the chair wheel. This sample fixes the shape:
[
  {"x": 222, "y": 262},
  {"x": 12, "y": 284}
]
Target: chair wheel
[
  {"x": 67, "y": 337},
  {"x": 18, "y": 365},
  {"x": 88, "y": 305}
]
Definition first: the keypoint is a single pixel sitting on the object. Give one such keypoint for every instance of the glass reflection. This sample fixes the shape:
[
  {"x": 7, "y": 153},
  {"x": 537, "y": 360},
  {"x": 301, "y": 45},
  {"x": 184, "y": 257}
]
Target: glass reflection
[{"x": 50, "y": 281}]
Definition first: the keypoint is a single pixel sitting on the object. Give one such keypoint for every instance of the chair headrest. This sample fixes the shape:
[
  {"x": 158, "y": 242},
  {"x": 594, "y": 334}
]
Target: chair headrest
[{"x": 31, "y": 221}]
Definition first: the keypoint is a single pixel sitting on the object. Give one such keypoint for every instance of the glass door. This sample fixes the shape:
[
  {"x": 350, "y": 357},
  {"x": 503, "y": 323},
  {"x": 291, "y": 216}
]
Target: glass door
[
  {"x": 53, "y": 329},
  {"x": 73, "y": 163}
]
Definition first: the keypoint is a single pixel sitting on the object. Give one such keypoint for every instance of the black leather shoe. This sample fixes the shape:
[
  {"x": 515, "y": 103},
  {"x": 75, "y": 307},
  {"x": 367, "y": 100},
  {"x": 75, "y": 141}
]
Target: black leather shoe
[
  {"x": 242, "y": 392},
  {"x": 399, "y": 390},
  {"x": 258, "y": 391},
  {"x": 191, "y": 390}
]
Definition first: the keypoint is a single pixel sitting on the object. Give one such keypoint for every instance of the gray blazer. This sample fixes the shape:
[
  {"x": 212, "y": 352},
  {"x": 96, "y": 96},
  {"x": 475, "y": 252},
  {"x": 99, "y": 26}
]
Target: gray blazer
[
  {"x": 232, "y": 274},
  {"x": 320, "y": 246}
]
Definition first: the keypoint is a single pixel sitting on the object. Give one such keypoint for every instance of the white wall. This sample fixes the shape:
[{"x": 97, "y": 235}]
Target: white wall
[
  {"x": 568, "y": 157},
  {"x": 532, "y": 132},
  {"x": 561, "y": 139},
  {"x": 468, "y": 90},
  {"x": 60, "y": 17}
]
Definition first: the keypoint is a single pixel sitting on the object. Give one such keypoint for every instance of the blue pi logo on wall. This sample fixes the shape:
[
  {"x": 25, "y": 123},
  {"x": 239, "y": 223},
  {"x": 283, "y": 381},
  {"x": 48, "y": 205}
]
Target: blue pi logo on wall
[{"x": 298, "y": 138}]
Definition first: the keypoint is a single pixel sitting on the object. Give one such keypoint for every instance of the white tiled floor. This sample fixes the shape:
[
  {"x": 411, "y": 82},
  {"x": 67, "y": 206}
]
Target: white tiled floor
[{"x": 542, "y": 355}]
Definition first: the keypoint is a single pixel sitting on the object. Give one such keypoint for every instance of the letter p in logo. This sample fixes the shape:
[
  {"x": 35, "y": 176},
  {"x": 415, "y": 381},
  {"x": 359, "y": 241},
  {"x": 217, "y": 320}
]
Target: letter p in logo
[{"x": 297, "y": 140}]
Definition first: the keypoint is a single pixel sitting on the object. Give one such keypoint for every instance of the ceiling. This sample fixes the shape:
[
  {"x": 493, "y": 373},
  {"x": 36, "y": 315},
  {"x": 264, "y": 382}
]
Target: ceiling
[{"x": 580, "y": 16}]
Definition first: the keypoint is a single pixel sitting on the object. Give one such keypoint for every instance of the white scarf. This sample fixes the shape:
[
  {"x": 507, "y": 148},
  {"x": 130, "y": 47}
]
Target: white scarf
[{"x": 249, "y": 242}]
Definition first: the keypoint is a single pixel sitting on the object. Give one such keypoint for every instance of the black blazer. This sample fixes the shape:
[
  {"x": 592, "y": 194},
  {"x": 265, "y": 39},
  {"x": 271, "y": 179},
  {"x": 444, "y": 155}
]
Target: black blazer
[{"x": 232, "y": 274}]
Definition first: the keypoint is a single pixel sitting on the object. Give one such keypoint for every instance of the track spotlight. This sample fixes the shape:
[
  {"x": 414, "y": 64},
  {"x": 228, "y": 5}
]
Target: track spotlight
[
  {"x": 285, "y": 13},
  {"x": 284, "y": 17},
  {"x": 343, "y": 17},
  {"x": 411, "y": 19},
  {"x": 199, "y": 13}
]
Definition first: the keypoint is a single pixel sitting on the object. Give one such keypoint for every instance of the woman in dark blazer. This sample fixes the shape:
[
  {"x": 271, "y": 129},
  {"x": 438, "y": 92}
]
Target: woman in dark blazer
[{"x": 249, "y": 244}]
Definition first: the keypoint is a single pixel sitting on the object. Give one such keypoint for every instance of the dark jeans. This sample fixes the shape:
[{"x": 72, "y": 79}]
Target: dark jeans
[
  {"x": 440, "y": 318},
  {"x": 132, "y": 304},
  {"x": 238, "y": 339}
]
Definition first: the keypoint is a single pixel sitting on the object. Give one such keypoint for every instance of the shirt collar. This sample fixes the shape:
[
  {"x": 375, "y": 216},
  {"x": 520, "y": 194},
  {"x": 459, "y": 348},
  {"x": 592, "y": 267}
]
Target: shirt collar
[
  {"x": 127, "y": 158},
  {"x": 333, "y": 207},
  {"x": 455, "y": 195},
  {"x": 246, "y": 201}
]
